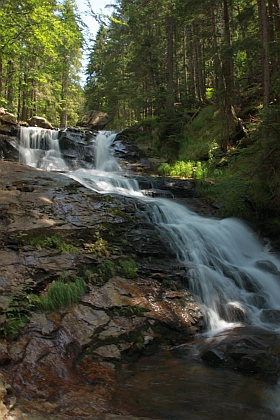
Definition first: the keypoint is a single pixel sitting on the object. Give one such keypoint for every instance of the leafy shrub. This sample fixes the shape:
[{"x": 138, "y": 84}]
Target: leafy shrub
[{"x": 164, "y": 169}]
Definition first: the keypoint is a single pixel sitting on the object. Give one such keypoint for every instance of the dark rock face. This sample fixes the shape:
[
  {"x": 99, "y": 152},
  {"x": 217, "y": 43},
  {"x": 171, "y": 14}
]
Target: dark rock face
[
  {"x": 77, "y": 148},
  {"x": 9, "y": 148}
]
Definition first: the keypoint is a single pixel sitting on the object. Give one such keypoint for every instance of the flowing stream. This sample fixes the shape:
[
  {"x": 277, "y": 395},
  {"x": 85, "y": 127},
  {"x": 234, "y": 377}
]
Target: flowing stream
[{"x": 230, "y": 272}]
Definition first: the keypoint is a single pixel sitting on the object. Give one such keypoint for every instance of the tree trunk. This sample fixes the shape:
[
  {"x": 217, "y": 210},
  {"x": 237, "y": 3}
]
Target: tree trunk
[
  {"x": 192, "y": 90},
  {"x": 264, "y": 36},
  {"x": 227, "y": 70},
  {"x": 185, "y": 67},
  {"x": 217, "y": 63},
  {"x": 63, "y": 112},
  {"x": 10, "y": 85},
  {"x": 170, "y": 87},
  {"x": 1, "y": 76}
]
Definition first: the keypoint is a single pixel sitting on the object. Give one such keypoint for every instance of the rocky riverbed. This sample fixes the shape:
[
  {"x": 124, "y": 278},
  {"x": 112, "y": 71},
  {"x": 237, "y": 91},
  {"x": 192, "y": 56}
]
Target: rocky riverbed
[{"x": 63, "y": 363}]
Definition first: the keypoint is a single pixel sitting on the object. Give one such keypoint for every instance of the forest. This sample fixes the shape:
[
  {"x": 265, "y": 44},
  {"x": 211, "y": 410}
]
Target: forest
[{"x": 198, "y": 79}]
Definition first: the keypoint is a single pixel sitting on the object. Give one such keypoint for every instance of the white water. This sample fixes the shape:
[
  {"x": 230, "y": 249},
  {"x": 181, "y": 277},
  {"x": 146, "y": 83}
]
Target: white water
[
  {"x": 231, "y": 273},
  {"x": 39, "y": 148}
]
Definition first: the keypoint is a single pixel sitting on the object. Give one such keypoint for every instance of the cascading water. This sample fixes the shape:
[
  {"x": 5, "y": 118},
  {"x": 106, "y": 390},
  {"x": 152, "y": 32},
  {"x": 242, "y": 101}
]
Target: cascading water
[
  {"x": 233, "y": 276},
  {"x": 39, "y": 148}
]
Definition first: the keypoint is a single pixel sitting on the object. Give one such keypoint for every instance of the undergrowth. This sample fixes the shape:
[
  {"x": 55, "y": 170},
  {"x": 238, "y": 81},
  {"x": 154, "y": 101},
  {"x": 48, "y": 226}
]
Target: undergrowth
[{"x": 60, "y": 294}]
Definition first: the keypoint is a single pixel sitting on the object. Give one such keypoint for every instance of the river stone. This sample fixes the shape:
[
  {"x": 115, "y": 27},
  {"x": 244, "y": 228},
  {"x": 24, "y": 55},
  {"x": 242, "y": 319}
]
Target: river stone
[
  {"x": 271, "y": 316},
  {"x": 248, "y": 349}
]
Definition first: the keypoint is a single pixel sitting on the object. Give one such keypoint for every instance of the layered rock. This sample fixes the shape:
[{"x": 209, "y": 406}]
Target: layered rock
[{"x": 65, "y": 360}]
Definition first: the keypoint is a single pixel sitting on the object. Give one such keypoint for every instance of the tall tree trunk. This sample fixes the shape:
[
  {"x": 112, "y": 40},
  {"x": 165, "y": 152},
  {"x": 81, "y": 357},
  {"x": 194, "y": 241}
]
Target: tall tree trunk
[
  {"x": 200, "y": 80},
  {"x": 217, "y": 63},
  {"x": 170, "y": 86},
  {"x": 1, "y": 76},
  {"x": 185, "y": 67},
  {"x": 63, "y": 112},
  {"x": 10, "y": 84},
  {"x": 192, "y": 90},
  {"x": 227, "y": 69},
  {"x": 264, "y": 36}
]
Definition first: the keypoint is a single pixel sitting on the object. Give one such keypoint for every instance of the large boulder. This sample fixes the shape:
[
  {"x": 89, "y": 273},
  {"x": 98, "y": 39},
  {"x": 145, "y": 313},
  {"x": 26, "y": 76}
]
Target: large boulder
[
  {"x": 94, "y": 120},
  {"x": 8, "y": 121},
  {"x": 7, "y": 117},
  {"x": 36, "y": 121}
]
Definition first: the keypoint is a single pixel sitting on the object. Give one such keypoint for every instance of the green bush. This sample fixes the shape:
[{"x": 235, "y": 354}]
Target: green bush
[{"x": 61, "y": 294}]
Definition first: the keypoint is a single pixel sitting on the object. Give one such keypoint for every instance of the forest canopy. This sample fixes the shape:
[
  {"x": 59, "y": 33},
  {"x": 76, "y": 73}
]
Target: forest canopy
[
  {"x": 147, "y": 56},
  {"x": 41, "y": 44},
  {"x": 152, "y": 54}
]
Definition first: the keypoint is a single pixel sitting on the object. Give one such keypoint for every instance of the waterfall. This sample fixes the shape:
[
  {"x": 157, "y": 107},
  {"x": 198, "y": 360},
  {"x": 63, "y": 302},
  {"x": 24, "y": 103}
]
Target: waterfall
[
  {"x": 229, "y": 271},
  {"x": 39, "y": 148}
]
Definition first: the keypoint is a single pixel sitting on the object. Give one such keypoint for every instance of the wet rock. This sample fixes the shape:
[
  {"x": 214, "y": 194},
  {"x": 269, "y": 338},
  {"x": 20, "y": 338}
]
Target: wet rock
[
  {"x": 77, "y": 148},
  {"x": 8, "y": 147},
  {"x": 108, "y": 352},
  {"x": 248, "y": 349},
  {"x": 271, "y": 316},
  {"x": 68, "y": 356},
  {"x": 82, "y": 322}
]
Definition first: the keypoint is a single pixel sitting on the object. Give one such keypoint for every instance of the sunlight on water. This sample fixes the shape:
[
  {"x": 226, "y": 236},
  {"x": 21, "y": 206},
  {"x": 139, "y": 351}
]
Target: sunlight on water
[{"x": 231, "y": 273}]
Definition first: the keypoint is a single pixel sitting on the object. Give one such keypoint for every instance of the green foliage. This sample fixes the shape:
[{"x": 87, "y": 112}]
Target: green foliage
[
  {"x": 164, "y": 169},
  {"x": 17, "y": 316},
  {"x": 39, "y": 79},
  {"x": 106, "y": 270},
  {"x": 54, "y": 242},
  {"x": 181, "y": 169},
  {"x": 127, "y": 268},
  {"x": 99, "y": 247},
  {"x": 201, "y": 136},
  {"x": 61, "y": 294},
  {"x": 124, "y": 267}
]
